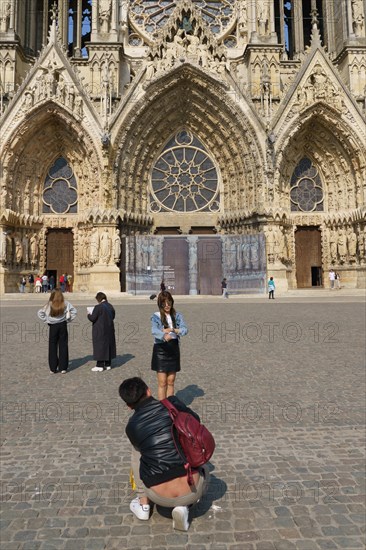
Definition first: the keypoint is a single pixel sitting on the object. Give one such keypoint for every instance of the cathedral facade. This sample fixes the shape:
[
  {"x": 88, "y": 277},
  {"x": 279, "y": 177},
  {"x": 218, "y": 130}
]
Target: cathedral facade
[{"x": 184, "y": 141}]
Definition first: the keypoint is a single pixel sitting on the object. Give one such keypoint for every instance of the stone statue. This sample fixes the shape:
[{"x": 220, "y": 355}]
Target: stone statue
[
  {"x": 61, "y": 91},
  {"x": 193, "y": 42},
  {"x": 352, "y": 243},
  {"x": 262, "y": 16},
  {"x": 333, "y": 245},
  {"x": 25, "y": 246},
  {"x": 358, "y": 16},
  {"x": 18, "y": 248},
  {"x": 34, "y": 249},
  {"x": 342, "y": 245},
  {"x": 123, "y": 12},
  {"x": 117, "y": 247},
  {"x": 270, "y": 240},
  {"x": 242, "y": 17},
  {"x": 105, "y": 246},
  {"x": 104, "y": 15},
  {"x": 2, "y": 246},
  {"x": 5, "y": 8},
  {"x": 319, "y": 80},
  {"x": 94, "y": 246},
  {"x": 26, "y": 200}
]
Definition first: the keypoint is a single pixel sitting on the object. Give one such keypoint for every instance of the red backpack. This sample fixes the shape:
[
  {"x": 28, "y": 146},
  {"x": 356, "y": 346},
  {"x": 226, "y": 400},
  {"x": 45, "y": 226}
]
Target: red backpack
[{"x": 194, "y": 438}]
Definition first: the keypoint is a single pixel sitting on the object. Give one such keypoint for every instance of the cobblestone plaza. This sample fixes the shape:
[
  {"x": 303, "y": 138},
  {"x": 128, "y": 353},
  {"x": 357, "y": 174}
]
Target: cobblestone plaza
[{"x": 280, "y": 384}]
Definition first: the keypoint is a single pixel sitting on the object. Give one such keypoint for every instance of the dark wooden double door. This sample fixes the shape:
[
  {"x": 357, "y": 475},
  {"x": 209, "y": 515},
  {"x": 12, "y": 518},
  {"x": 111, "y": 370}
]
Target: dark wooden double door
[
  {"x": 60, "y": 253},
  {"x": 208, "y": 261}
]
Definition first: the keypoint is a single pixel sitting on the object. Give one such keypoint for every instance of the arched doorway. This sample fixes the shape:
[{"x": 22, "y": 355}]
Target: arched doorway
[
  {"x": 60, "y": 253},
  {"x": 308, "y": 257}
]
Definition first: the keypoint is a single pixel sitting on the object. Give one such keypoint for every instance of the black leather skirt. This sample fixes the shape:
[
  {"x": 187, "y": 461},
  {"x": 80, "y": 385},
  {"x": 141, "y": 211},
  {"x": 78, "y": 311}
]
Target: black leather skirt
[{"x": 166, "y": 357}]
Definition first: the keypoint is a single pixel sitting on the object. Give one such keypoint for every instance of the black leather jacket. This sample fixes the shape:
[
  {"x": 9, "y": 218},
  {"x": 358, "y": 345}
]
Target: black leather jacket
[{"x": 150, "y": 431}]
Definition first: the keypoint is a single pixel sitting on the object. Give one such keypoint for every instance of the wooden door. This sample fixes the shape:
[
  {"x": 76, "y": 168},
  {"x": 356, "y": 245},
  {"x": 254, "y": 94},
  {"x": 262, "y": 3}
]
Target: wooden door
[
  {"x": 308, "y": 256},
  {"x": 60, "y": 252},
  {"x": 209, "y": 263}
]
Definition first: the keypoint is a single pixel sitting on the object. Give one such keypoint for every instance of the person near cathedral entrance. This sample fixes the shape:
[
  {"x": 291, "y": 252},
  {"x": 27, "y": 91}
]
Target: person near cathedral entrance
[
  {"x": 103, "y": 333},
  {"x": 331, "y": 278},
  {"x": 224, "y": 290},
  {"x": 271, "y": 288},
  {"x": 57, "y": 313},
  {"x": 167, "y": 326}
]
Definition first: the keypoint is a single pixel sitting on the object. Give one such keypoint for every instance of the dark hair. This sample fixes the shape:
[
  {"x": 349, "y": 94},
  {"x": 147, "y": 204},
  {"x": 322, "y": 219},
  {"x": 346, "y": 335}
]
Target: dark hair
[
  {"x": 100, "y": 297},
  {"x": 132, "y": 391},
  {"x": 163, "y": 297}
]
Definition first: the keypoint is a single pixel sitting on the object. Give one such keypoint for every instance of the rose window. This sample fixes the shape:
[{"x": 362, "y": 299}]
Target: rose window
[
  {"x": 306, "y": 192},
  {"x": 184, "y": 178},
  {"x": 149, "y": 16},
  {"x": 60, "y": 189}
]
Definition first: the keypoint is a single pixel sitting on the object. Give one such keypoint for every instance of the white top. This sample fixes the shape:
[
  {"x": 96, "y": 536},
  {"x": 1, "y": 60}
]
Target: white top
[
  {"x": 331, "y": 275},
  {"x": 170, "y": 323}
]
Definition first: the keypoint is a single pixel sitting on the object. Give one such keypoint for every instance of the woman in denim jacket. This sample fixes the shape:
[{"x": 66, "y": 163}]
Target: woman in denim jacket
[{"x": 167, "y": 326}]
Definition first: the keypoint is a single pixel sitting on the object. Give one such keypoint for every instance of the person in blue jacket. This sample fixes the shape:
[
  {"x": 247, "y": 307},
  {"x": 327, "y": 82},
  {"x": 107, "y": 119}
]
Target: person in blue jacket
[
  {"x": 271, "y": 288},
  {"x": 167, "y": 326}
]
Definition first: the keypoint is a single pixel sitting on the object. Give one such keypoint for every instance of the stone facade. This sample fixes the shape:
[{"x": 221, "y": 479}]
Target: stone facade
[{"x": 233, "y": 117}]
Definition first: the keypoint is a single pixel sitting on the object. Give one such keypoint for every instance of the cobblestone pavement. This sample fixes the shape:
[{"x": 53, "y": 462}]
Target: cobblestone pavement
[{"x": 281, "y": 385}]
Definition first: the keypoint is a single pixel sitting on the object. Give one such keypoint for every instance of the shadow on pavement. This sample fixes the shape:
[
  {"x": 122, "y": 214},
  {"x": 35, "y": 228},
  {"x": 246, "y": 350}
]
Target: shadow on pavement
[
  {"x": 188, "y": 394},
  {"x": 119, "y": 361}
]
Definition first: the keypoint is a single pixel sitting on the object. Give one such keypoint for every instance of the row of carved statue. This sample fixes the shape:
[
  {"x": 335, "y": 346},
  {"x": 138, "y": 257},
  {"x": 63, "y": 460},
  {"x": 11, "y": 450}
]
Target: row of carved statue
[
  {"x": 19, "y": 248},
  {"x": 102, "y": 246},
  {"x": 347, "y": 245}
]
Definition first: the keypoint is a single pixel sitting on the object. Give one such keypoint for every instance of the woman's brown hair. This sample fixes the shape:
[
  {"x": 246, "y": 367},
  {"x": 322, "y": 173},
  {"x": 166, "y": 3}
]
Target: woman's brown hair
[
  {"x": 163, "y": 297},
  {"x": 57, "y": 303}
]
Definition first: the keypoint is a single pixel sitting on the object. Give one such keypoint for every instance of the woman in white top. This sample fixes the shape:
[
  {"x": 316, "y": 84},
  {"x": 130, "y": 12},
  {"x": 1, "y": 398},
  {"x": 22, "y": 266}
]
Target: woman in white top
[{"x": 167, "y": 326}]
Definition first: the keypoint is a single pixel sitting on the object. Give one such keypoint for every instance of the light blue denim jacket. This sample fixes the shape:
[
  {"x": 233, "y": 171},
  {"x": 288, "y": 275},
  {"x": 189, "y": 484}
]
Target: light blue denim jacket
[{"x": 157, "y": 327}]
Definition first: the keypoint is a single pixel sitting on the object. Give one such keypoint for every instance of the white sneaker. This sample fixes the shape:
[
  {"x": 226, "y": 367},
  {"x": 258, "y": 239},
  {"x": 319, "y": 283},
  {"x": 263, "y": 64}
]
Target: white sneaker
[
  {"x": 180, "y": 518},
  {"x": 97, "y": 369},
  {"x": 141, "y": 511},
  {"x": 108, "y": 368}
]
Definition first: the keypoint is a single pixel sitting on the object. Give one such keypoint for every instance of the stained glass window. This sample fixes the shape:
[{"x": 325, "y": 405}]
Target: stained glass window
[
  {"x": 151, "y": 15},
  {"x": 306, "y": 193},
  {"x": 60, "y": 189},
  {"x": 184, "y": 177}
]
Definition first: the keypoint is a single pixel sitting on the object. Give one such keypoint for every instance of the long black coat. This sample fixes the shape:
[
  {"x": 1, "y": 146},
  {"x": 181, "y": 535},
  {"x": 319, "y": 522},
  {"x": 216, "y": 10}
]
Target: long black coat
[{"x": 104, "y": 339}]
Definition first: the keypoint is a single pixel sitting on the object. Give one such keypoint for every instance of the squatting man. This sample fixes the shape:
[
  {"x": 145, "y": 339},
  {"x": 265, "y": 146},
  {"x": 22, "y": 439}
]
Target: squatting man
[{"x": 158, "y": 469}]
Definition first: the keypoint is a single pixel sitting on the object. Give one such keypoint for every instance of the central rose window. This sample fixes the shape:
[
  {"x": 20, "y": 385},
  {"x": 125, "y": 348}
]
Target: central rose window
[{"x": 184, "y": 177}]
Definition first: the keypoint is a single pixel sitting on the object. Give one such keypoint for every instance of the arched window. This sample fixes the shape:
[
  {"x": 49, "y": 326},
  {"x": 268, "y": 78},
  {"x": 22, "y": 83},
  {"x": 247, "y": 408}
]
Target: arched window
[
  {"x": 60, "y": 189},
  {"x": 306, "y": 193},
  {"x": 184, "y": 177}
]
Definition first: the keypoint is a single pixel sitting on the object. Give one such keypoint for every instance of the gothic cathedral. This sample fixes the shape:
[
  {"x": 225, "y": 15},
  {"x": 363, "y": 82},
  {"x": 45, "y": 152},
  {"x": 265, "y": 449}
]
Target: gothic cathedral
[{"x": 187, "y": 141}]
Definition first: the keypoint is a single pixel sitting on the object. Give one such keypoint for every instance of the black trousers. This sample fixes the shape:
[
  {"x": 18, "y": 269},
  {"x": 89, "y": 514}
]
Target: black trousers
[
  {"x": 271, "y": 294},
  {"x": 58, "y": 347}
]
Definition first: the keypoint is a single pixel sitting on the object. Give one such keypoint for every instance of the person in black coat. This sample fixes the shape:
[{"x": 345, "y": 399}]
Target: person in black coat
[{"x": 103, "y": 334}]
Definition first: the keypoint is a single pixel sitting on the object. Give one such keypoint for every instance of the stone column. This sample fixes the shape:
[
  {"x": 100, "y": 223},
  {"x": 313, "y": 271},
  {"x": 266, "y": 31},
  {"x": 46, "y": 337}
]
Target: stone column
[
  {"x": 297, "y": 29},
  {"x": 77, "y": 51},
  {"x": 192, "y": 262}
]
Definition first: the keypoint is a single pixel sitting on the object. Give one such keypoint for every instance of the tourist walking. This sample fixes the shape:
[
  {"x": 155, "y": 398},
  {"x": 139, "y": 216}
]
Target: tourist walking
[
  {"x": 331, "y": 279},
  {"x": 224, "y": 290},
  {"x": 22, "y": 283},
  {"x": 167, "y": 326},
  {"x": 31, "y": 282},
  {"x": 57, "y": 313},
  {"x": 271, "y": 288},
  {"x": 103, "y": 333},
  {"x": 337, "y": 280},
  {"x": 44, "y": 283},
  {"x": 38, "y": 284}
]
